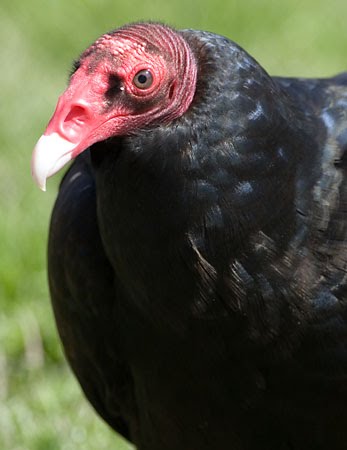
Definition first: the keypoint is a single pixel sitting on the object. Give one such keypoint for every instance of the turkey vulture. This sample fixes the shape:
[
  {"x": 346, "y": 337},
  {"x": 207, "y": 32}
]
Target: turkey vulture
[{"x": 197, "y": 251}]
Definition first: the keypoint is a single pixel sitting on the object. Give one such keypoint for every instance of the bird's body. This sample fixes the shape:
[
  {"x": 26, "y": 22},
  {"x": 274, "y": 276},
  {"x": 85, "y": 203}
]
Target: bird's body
[{"x": 198, "y": 263}]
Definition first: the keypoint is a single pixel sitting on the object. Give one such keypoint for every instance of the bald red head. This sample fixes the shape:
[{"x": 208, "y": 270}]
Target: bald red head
[{"x": 134, "y": 77}]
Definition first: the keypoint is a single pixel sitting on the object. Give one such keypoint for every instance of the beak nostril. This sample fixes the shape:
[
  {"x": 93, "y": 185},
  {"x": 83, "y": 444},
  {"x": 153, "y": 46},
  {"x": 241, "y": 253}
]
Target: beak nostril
[
  {"x": 77, "y": 114},
  {"x": 77, "y": 118}
]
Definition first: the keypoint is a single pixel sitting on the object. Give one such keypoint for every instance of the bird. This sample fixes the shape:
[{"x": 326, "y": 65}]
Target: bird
[{"x": 197, "y": 251}]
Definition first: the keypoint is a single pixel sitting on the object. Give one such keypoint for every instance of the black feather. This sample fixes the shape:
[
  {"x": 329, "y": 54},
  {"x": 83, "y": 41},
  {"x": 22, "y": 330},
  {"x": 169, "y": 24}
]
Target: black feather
[{"x": 198, "y": 269}]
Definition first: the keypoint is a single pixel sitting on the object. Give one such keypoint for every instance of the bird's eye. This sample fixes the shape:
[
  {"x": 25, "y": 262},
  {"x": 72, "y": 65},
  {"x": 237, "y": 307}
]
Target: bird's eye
[{"x": 143, "y": 79}]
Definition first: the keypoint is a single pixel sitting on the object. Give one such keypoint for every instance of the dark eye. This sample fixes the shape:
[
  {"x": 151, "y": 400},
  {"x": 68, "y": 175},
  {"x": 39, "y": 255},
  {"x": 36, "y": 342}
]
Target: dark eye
[{"x": 143, "y": 79}]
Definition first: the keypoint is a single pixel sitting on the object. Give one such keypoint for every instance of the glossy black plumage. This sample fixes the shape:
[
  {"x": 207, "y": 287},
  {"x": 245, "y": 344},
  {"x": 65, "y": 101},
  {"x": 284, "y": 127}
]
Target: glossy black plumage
[{"x": 198, "y": 269}]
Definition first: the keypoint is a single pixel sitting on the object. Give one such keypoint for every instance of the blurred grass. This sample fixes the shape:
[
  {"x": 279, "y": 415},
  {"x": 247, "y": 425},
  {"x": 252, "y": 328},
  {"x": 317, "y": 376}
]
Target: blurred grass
[{"x": 41, "y": 406}]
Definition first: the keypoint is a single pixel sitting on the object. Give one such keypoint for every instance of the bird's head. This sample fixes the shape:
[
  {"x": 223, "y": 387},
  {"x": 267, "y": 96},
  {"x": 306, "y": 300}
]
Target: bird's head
[{"x": 139, "y": 75}]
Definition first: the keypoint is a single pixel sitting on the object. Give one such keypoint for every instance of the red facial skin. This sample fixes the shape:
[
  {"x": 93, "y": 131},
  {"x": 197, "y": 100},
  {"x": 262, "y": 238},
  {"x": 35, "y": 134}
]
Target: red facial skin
[{"x": 103, "y": 99}]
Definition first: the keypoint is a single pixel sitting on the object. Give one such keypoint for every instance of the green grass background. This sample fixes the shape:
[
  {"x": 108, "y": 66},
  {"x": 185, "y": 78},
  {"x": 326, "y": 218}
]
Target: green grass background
[{"x": 41, "y": 406}]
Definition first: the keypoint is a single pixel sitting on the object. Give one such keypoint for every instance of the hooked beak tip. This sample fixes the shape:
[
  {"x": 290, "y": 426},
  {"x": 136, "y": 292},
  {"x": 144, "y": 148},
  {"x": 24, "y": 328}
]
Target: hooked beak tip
[{"x": 50, "y": 154}]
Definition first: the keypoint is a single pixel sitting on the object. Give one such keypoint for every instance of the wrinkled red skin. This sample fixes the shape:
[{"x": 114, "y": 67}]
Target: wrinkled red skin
[{"x": 85, "y": 114}]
